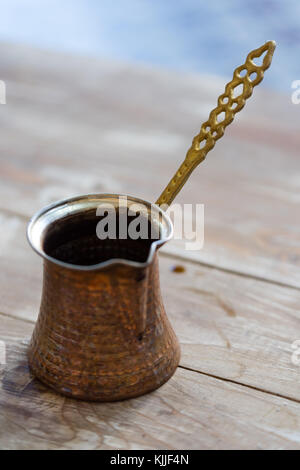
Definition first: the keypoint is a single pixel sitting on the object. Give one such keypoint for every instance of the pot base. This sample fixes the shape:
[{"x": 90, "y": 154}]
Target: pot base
[{"x": 108, "y": 389}]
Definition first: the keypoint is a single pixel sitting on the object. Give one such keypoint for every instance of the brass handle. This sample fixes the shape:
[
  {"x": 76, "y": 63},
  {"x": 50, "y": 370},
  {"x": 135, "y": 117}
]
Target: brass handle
[{"x": 214, "y": 128}]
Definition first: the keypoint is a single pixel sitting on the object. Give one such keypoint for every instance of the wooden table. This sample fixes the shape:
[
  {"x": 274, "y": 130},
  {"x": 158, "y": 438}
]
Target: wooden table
[{"x": 74, "y": 125}]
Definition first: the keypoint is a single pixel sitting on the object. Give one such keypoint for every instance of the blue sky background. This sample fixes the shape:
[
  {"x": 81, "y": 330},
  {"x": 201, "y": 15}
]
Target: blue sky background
[{"x": 193, "y": 35}]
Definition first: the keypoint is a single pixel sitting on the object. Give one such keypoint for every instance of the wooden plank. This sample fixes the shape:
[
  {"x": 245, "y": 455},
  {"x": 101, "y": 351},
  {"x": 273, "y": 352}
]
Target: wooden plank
[
  {"x": 191, "y": 411},
  {"x": 233, "y": 327},
  {"x": 78, "y": 125},
  {"x": 229, "y": 326}
]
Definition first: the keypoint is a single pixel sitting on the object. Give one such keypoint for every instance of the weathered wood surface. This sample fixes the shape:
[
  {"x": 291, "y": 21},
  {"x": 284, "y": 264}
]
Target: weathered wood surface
[
  {"x": 75, "y": 126},
  {"x": 191, "y": 411},
  {"x": 229, "y": 326}
]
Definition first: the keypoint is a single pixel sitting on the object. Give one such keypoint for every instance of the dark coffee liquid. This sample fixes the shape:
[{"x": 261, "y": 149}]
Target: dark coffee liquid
[{"x": 74, "y": 240}]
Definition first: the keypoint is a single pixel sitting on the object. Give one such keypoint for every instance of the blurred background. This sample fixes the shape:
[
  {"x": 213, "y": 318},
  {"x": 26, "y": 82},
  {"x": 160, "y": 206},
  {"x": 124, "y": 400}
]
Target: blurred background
[
  {"x": 185, "y": 35},
  {"x": 106, "y": 96}
]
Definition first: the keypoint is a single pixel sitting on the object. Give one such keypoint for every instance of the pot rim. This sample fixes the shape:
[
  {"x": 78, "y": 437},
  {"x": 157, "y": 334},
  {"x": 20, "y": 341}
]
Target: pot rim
[{"x": 42, "y": 219}]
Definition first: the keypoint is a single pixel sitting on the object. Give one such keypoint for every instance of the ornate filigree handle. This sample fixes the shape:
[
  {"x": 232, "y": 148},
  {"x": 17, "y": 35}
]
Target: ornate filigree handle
[{"x": 245, "y": 78}]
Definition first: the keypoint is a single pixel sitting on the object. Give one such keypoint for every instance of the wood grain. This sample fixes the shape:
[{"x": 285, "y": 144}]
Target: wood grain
[
  {"x": 230, "y": 326},
  {"x": 191, "y": 411},
  {"x": 75, "y": 125}
]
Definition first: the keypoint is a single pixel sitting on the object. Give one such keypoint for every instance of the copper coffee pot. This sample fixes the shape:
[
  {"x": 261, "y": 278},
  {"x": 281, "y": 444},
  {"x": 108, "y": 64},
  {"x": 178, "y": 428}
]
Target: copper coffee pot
[{"x": 102, "y": 332}]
